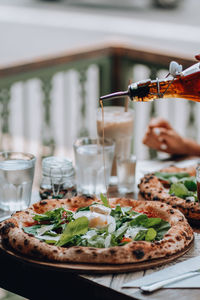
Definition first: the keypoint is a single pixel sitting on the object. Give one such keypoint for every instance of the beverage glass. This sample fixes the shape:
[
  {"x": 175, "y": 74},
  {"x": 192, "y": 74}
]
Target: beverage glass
[
  {"x": 118, "y": 125},
  {"x": 126, "y": 174},
  {"x": 91, "y": 178},
  {"x": 198, "y": 181},
  {"x": 16, "y": 179}
]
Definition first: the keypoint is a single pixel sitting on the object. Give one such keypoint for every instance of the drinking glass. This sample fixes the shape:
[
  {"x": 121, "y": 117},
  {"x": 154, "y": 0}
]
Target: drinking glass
[
  {"x": 91, "y": 178},
  {"x": 198, "y": 181},
  {"x": 16, "y": 179},
  {"x": 126, "y": 174},
  {"x": 118, "y": 125}
]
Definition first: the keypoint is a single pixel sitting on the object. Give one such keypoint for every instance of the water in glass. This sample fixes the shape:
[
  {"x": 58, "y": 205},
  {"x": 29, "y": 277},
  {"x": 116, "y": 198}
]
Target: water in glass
[
  {"x": 16, "y": 178},
  {"x": 90, "y": 168},
  {"x": 126, "y": 174}
]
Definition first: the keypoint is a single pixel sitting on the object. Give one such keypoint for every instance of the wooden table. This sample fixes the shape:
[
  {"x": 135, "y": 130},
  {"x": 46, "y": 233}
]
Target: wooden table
[{"x": 37, "y": 282}]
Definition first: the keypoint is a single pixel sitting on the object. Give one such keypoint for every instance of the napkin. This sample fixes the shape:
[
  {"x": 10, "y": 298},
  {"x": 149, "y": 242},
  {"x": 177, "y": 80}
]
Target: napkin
[{"x": 178, "y": 269}]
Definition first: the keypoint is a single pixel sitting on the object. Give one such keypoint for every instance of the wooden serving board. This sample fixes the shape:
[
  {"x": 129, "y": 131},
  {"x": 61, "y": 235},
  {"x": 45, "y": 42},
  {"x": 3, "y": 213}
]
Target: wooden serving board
[{"x": 86, "y": 268}]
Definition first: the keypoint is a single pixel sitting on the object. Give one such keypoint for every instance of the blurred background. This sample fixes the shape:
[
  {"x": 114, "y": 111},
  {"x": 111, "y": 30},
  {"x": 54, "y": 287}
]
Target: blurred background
[{"x": 58, "y": 57}]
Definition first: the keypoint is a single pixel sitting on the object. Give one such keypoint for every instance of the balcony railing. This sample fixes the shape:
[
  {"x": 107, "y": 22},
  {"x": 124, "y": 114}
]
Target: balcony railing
[{"x": 46, "y": 104}]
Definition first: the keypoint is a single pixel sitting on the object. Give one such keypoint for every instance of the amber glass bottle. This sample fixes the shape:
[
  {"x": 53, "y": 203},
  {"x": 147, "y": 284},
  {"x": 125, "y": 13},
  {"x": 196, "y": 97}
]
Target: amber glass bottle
[{"x": 180, "y": 84}]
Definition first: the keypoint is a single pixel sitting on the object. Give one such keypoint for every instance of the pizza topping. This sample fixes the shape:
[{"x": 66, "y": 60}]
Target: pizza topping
[
  {"x": 56, "y": 217},
  {"x": 43, "y": 229},
  {"x": 97, "y": 220},
  {"x": 100, "y": 209},
  {"x": 104, "y": 200},
  {"x": 74, "y": 228},
  {"x": 103, "y": 229},
  {"x": 184, "y": 189},
  {"x": 171, "y": 177},
  {"x": 181, "y": 185}
]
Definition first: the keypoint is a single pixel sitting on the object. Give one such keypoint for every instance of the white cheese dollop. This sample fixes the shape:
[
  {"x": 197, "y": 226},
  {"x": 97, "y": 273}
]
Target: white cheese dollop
[
  {"x": 97, "y": 220},
  {"x": 101, "y": 209}
]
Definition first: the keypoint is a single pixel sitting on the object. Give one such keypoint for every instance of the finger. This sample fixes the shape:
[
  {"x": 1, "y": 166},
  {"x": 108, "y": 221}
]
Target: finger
[
  {"x": 146, "y": 135},
  {"x": 167, "y": 135},
  {"x": 159, "y": 122},
  {"x": 151, "y": 140},
  {"x": 152, "y": 136},
  {"x": 163, "y": 147}
]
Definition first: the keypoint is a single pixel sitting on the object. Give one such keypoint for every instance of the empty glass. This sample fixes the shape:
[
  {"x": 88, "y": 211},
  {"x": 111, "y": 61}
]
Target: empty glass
[{"x": 16, "y": 179}]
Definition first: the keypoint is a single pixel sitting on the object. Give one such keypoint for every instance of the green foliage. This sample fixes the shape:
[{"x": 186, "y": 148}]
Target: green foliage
[
  {"x": 78, "y": 233},
  {"x": 104, "y": 200},
  {"x": 168, "y": 176},
  {"x": 77, "y": 227}
]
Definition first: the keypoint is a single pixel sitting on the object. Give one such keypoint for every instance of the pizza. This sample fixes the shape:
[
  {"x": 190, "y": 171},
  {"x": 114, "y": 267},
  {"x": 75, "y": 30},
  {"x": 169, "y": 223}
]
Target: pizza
[
  {"x": 89, "y": 230},
  {"x": 174, "y": 186}
]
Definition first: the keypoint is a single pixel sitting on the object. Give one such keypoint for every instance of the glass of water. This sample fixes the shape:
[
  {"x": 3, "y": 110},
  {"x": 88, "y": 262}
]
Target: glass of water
[
  {"x": 91, "y": 178},
  {"x": 16, "y": 179},
  {"x": 126, "y": 174}
]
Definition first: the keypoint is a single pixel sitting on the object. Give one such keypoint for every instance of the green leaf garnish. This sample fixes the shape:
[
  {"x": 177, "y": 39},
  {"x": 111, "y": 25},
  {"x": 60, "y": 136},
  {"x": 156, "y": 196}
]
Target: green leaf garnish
[
  {"x": 104, "y": 200},
  {"x": 189, "y": 183},
  {"x": 77, "y": 227},
  {"x": 169, "y": 176},
  {"x": 54, "y": 217},
  {"x": 179, "y": 189},
  {"x": 140, "y": 235},
  {"x": 78, "y": 233},
  {"x": 32, "y": 229},
  {"x": 150, "y": 235},
  {"x": 151, "y": 222}
]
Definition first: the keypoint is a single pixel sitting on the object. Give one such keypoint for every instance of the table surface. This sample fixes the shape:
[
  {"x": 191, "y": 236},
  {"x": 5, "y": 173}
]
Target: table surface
[{"x": 34, "y": 282}]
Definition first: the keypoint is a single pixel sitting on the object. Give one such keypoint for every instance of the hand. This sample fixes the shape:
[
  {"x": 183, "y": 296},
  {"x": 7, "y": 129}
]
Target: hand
[{"x": 161, "y": 136}]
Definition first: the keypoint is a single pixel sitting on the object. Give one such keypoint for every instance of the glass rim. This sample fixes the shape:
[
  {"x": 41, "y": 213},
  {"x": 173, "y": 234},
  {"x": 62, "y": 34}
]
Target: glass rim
[
  {"x": 58, "y": 164},
  {"x": 6, "y": 156},
  {"x": 94, "y": 141},
  {"x": 52, "y": 160},
  {"x": 115, "y": 108}
]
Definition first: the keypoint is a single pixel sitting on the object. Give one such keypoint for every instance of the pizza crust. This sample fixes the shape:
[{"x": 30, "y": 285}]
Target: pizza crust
[
  {"x": 179, "y": 236},
  {"x": 151, "y": 188}
]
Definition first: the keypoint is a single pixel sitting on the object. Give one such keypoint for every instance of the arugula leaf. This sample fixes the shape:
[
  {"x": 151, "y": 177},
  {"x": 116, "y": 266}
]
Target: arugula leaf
[
  {"x": 162, "y": 229},
  {"x": 77, "y": 227},
  {"x": 86, "y": 208},
  {"x": 32, "y": 229},
  {"x": 121, "y": 231},
  {"x": 150, "y": 235},
  {"x": 49, "y": 215},
  {"x": 168, "y": 176},
  {"x": 140, "y": 235},
  {"x": 104, "y": 200},
  {"x": 122, "y": 215},
  {"x": 179, "y": 190},
  {"x": 139, "y": 220},
  {"x": 151, "y": 222},
  {"x": 54, "y": 217},
  {"x": 189, "y": 183},
  {"x": 127, "y": 209},
  {"x": 50, "y": 241}
]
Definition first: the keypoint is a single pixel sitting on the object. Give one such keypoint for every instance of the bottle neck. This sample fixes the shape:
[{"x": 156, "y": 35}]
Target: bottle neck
[{"x": 183, "y": 86}]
